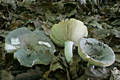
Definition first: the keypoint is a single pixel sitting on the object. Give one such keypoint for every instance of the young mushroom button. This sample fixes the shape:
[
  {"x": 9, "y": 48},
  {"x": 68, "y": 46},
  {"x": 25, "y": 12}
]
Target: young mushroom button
[{"x": 68, "y": 33}]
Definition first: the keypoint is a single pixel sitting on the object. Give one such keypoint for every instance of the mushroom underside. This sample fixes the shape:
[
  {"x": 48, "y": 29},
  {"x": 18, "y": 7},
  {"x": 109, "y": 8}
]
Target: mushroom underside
[{"x": 96, "y": 52}]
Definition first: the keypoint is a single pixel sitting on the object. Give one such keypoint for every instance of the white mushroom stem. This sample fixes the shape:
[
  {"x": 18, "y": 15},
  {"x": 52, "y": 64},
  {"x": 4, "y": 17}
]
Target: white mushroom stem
[{"x": 68, "y": 50}]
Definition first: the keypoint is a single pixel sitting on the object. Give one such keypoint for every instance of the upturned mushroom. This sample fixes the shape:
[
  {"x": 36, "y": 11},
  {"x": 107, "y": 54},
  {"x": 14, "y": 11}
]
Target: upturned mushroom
[
  {"x": 96, "y": 52},
  {"x": 68, "y": 33}
]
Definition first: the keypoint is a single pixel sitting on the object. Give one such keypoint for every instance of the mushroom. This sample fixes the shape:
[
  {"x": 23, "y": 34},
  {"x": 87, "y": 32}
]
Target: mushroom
[
  {"x": 96, "y": 52},
  {"x": 12, "y": 41},
  {"x": 68, "y": 33},
  {"x": 33, "y": 47}
]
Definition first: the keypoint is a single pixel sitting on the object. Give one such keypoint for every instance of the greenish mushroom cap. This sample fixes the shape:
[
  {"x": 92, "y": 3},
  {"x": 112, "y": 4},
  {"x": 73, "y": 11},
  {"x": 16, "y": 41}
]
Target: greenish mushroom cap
[
  {"x": 96, "y": 52},
  {"x": 12, "y": 42},
  {"x": 68, "y": 30},
  {"x": 33, "y": 47}
]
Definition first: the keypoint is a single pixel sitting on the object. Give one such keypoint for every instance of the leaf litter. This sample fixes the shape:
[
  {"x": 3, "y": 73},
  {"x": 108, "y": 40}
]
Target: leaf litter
[{"x": 102, "y": 22}]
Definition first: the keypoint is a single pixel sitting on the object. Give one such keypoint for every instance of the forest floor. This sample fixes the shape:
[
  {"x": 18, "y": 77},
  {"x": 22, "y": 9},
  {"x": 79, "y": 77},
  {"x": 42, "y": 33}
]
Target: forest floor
[{"x": 101, "y": 19}]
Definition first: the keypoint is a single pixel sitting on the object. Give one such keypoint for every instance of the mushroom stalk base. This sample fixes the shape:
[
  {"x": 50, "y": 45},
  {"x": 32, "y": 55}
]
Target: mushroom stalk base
[{"x": 68, "y": 50}]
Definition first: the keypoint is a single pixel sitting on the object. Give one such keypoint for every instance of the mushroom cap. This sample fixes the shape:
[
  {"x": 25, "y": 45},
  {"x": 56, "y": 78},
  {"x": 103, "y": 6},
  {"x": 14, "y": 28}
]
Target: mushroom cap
[
  {"x": 96, "y": 52},
  {"x": 69, "y": 29},
  {"x": 30, "y": 47},
  {"x": 12, "y": 42},
  {"x": 35, "y": 48}
]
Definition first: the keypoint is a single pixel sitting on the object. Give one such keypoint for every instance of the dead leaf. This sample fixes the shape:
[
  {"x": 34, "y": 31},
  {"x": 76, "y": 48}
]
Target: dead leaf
[{"x": 5, "y": 75}]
